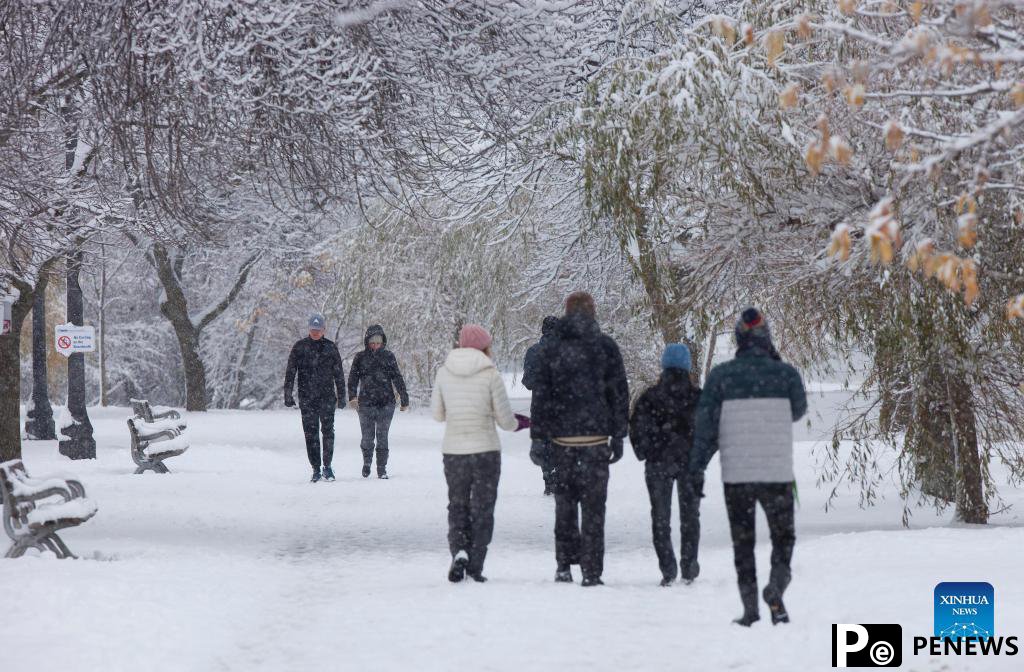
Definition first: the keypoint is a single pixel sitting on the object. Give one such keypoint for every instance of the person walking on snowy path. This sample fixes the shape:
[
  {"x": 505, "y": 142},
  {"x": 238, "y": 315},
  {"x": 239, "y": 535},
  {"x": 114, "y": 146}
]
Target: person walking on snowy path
[
  {"x": 661, "y": 432},
  {"x": 321, "y": 376},
  {"x": 746, "y": 414},
  {"x": 372, "y": 382},
  {"x": 469, "y": 397},
  {"x": 580, "y": 406},
  {"x": 542, "y": 456}
]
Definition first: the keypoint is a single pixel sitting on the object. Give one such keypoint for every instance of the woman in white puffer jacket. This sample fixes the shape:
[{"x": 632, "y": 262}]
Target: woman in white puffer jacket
[{"x": 469, "y": 395}]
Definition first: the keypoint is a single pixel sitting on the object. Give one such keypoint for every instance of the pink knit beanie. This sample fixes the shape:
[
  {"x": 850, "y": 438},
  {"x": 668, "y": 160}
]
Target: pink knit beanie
[{"x": 474, "y": 336}]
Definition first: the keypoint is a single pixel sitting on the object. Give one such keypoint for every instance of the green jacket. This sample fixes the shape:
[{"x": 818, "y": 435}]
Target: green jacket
[{"x": 746, "y": 411}]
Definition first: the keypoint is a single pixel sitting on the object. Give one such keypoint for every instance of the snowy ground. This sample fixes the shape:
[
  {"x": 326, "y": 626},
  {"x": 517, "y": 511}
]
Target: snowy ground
[{"x": 235, "y": 562}]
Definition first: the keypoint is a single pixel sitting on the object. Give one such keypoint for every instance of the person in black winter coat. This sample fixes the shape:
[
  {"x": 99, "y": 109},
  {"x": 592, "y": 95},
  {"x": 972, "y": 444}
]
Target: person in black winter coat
[
  {"x": 581, "y": 407},
  {"x": 531, "y": 363},
  {"x": 321, "y": 375},
  {"x": 661, "y": 432},
  {"x": 372, "y": 383}
]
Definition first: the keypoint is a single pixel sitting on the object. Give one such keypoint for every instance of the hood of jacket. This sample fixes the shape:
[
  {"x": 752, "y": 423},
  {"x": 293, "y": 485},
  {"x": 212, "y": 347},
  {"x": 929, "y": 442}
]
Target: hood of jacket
[
  {"x": 577, "y": 326},
  {"x": 374, "y": 330},
  {"x": 465, "y": 362}
]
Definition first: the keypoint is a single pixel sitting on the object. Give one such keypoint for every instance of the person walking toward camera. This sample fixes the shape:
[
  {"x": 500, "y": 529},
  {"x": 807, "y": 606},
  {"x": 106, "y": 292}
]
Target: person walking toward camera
[
  {"x": 746, "y": 414},
  {"x": 469, "y": 397},
  {"x": 321, "y": 379},
  {"x": 661, "y": 432},
  {"x": 373, "y": 382},
  {"x": 580, "y": 408}
]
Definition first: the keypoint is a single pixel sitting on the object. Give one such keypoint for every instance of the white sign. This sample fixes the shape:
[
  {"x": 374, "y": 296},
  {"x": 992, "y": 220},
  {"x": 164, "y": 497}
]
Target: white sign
[
  {"x": 69, "y": 339},
  {"x": 5, "y": 314}
]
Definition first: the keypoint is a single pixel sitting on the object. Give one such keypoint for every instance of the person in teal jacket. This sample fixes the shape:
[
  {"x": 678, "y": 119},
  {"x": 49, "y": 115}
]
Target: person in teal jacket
[{"x": 746, "y": 414}]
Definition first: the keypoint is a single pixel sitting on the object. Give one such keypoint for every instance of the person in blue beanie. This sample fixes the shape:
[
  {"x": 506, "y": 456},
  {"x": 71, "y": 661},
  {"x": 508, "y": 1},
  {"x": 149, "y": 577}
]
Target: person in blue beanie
[{"x": 661, "y": 431}]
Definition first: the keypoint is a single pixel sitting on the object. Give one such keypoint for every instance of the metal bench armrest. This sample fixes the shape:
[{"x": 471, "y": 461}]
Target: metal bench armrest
[
  {"x": 172, "y": 414},
  {"x": 156, "y": 436}
]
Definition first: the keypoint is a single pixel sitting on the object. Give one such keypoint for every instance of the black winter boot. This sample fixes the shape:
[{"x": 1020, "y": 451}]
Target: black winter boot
[
  {"x": 457, "y": 571},
  {"x": 563, "y": 574},
  {"x": 751, "y": 613},
  {"x": 366, "y": 470},
  {"x": 774, "y": 599}
]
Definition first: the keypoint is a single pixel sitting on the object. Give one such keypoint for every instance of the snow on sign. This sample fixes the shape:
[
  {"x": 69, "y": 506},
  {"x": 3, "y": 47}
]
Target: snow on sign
[
  {"x": 5, "y": 314},
  {"x": 69, "y": 339}
]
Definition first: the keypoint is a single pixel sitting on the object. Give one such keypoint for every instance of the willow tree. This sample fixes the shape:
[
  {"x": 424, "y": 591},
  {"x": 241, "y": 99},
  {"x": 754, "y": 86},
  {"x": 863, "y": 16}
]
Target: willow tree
[{"x": 862, "y": 182}]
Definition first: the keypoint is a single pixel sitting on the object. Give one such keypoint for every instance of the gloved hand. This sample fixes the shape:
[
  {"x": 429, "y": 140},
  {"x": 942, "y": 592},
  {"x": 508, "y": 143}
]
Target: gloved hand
[
  {"x": 289, "y": 400},
  {"x": 616, "y": 445},
  {"x": 341, "y": 403},
  {"x": 540, "y": 453},
  {"x": 523, "y": 422},
  {"x": 353, "y": 403},
  {"x": 403, "y": 409}
]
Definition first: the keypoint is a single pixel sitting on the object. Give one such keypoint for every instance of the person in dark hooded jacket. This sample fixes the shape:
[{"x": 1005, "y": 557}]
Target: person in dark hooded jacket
[
  {"x": 542, "y": 456},
  {"x": 661, "y": 432},
  {"x": 580, "y": 406},
  {"x": 372, "y": 383}
]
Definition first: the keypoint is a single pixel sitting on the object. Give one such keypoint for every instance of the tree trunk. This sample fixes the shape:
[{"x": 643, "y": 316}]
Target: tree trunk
[
  {"x": 40, "y": 417},
  {"x": 970, "y": 492},
  {"x": 80, "y": 444},
  {"x": 10, "y": 379}
]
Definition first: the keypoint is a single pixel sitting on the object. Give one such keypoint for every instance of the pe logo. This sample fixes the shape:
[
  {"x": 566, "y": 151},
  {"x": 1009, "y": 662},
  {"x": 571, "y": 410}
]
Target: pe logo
[
  {"x": 965, "y": 610},
  {"x": 867, "y": 645}
]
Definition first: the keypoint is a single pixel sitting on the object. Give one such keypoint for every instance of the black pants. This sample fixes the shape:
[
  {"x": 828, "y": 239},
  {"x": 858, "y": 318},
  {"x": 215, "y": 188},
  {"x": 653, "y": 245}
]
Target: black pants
[
  {"x": 317, "y": 418},
  {"x": 375, "y": 421},
  {"x": 472, "y": 493},
  {"x": 661, "y": 478},
  {"x": 777, "y": 501},
  {"x": 580, "y": 480}
]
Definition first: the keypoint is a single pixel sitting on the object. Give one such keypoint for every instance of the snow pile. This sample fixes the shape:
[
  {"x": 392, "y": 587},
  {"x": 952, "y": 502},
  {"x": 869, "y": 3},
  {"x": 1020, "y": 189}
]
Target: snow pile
[{"x": 75, "y": 509}]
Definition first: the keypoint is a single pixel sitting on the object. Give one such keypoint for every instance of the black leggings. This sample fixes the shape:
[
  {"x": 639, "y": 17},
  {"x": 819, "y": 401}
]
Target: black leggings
[{"x": 777, "y": 501}]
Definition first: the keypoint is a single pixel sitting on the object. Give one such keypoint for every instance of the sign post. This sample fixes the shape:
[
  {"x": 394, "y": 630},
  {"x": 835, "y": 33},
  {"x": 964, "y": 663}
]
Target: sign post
[{"x": 69, "y": 339}]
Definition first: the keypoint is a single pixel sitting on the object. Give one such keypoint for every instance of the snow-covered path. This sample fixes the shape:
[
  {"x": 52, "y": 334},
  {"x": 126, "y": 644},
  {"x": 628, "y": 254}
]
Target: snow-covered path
[{"x": 234, "y": 562}]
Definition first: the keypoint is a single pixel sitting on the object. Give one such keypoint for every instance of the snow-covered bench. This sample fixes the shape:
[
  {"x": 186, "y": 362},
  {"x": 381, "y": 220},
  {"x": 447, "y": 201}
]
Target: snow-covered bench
[
  {"x": 35, "y": 509},
  {"x": 154, "y": 442},
  {"x": 143, "y": 411}
]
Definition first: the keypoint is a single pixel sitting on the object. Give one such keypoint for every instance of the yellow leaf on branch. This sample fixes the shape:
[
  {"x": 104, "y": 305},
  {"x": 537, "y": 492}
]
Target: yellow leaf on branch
[
  {"x": 1017, "y": 94},
  {"x": 848, "y": 7},
  {"x": 803, "y": 26},
  {"x": 790, "y": 96},
  {"x": 969, "y": 275},
  {"x": 840, "y": 243},
  {"x": 840, "y": 151},
  {"x": 854, "y": 94},
  {"x": 893, "y": 135},
  {"x": 814, "y": 157},
  {"x": 1015, "y": 308},
  {"x": 775, "y": 44},
  {"x": 967, "y": 230},
  {"x": 922, "y": 255}
]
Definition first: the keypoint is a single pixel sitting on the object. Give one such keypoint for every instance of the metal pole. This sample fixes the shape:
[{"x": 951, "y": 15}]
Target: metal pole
[{"x": 80, "y": 445}]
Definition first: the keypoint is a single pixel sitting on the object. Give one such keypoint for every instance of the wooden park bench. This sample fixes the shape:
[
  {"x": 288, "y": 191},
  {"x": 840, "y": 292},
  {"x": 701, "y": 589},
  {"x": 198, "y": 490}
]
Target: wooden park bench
[
  {"x": 143, "y": 411},
  {"x": 154, "y": 442},
  {"x": 35, "y": 509}
]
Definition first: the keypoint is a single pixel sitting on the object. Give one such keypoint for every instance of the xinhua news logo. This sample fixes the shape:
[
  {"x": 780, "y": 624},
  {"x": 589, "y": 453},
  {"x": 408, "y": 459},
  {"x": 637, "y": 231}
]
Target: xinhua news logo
[
  {"x": 965, "y": 623},
  {"x": 867, "y": 645}
]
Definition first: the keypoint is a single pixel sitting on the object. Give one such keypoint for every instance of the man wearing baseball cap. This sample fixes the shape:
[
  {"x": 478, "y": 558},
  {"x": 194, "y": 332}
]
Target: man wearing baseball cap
[{"x": 317, "y": 362}]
